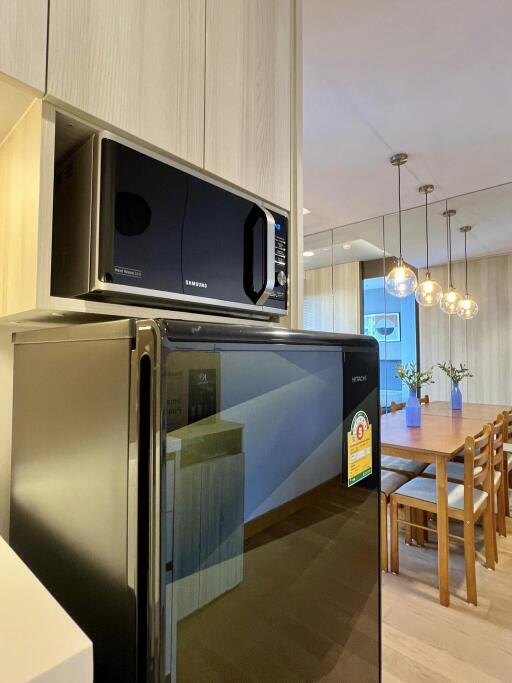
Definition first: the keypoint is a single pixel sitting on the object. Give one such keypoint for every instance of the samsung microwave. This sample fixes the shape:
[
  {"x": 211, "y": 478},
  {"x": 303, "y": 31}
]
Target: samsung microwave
[{"x": 134, "y": 227}]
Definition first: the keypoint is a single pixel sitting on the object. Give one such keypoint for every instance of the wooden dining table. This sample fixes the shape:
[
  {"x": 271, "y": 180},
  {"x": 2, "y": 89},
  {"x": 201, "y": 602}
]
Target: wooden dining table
[
  {"x": 439, "y": 438},
  {"x": 486, "y": 412}
]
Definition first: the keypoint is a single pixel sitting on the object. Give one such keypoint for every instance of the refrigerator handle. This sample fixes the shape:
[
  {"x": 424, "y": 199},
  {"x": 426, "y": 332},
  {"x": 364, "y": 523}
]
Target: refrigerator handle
[{"x": 144, "y": 507}]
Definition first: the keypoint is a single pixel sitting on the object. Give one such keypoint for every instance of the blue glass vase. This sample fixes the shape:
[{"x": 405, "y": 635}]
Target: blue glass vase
[
  {"x": 456, "y": 397},
  {"x": 413, "y": 410}
]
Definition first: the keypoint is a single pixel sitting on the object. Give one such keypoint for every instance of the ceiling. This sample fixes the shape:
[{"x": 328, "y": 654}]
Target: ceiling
[{"x": 430, "y": 79}]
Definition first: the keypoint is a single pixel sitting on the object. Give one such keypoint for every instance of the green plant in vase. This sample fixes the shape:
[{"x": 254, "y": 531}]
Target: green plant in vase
[
  {"x": 414, "y": 379},
  {"x": 456, "y": 375}
]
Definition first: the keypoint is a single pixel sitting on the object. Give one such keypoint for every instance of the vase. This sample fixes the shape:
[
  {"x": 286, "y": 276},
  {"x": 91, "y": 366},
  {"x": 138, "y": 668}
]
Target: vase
[
  {"x": 456, "y": 397},
  {"x": 413, "y": 410}
]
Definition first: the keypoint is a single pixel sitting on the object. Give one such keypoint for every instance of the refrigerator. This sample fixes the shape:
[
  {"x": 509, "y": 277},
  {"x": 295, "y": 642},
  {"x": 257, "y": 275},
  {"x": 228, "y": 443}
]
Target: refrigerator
[{"x": 203, "y": 499}]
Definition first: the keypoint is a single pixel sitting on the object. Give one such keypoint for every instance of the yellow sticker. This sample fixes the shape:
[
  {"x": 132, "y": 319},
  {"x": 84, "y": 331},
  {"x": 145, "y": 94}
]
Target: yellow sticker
[{"x": 359, "y": 441}]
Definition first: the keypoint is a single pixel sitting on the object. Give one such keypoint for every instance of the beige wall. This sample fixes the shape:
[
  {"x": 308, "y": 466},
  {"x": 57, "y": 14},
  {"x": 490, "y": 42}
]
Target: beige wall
[
  {"x": 332, "y": 298},
  {"x": 484, "y": 343}
]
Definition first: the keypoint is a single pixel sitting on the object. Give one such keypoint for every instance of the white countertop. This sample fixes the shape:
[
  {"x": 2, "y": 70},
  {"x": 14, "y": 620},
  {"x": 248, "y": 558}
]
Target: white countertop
[{"x": 38, "y": 640}]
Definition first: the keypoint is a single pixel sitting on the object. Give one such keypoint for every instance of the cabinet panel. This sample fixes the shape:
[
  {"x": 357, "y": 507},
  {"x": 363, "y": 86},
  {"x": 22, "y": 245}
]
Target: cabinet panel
[
  {"x": 23, "y": 42},
  {"x": 248, "y": 91},
  {"x": 136, "y": 64}
]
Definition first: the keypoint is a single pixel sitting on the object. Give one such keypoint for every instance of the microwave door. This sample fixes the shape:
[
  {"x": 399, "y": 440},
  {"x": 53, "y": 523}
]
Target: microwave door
[
  {"x": 227, "y": 249},
  {"x": 142, "y": 207}
]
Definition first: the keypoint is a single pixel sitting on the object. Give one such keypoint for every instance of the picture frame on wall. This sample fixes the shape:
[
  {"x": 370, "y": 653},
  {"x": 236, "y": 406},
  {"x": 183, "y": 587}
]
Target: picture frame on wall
[{"x": 383, "y": 326}]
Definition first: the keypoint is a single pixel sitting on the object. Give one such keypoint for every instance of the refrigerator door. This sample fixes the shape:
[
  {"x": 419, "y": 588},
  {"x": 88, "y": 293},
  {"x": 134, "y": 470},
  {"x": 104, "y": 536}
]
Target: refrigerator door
[{"x": 269, "y": 560}]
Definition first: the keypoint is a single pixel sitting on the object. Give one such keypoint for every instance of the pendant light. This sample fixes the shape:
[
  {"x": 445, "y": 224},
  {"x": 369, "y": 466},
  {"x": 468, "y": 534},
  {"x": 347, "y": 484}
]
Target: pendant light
[
  {"x": 468, "y": 307},
  {"x": 450, "y": 300},
  {"x": 429, "y": 291},
  {"x": 401, "y": 280}
]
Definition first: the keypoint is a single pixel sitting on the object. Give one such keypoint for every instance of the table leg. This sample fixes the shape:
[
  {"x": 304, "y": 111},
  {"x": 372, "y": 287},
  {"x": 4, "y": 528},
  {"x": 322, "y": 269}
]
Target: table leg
[{"x": 443, "y": 551}]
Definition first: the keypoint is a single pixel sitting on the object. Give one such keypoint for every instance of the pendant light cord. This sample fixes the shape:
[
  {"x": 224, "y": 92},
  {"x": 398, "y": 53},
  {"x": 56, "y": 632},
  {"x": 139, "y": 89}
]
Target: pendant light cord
[
  {"x": 426, "y": 227},
  {"x": 466, "y": 258},
  {"x": 449, "y": 245},
  {"x": 399, "y": 215}
]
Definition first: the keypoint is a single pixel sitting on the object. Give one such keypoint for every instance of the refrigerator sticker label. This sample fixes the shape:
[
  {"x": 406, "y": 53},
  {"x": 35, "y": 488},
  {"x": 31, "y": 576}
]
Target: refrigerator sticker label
[{"x": 359, "y": 448}]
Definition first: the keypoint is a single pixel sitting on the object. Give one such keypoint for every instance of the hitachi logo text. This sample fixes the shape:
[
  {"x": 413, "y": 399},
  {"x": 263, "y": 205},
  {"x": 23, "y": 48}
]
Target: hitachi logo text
[
  {"x": 359, "y": 378},
  {"x": 195, "y": 283}
]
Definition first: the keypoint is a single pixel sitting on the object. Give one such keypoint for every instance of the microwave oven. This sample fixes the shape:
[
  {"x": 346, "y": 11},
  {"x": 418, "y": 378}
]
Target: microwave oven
[{"x": 131, "y": 226}]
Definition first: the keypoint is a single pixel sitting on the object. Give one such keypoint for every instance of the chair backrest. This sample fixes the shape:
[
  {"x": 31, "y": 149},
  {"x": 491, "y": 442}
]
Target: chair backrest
[
  {"x": 507, "y": 426},
  {"x": 425, "y": 399},
  {"x": 477, "y": 460},
  {"x": 396, "y": 406},
  {"x": 497, "y": 430}
]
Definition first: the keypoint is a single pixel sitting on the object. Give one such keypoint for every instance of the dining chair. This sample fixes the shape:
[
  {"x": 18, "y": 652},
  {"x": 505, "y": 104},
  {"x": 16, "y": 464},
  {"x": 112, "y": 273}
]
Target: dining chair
[
  {"x": 455, "y": 471},
  {"x": 507, "y": 449},
  {"x": 466, "y": 503},
  {"x": 395, "y": 407},
  {"x": 389, "y": 482},
  {"x": 410, "y": 469}
]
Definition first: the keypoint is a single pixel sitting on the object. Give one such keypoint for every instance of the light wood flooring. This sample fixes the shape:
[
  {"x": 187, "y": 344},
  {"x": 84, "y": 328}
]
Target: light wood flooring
[{"x": 424, "y": 642}]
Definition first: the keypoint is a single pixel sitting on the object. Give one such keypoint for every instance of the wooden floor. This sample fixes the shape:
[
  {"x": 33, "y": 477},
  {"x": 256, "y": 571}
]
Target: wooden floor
[{"x": 424, "y": 642}]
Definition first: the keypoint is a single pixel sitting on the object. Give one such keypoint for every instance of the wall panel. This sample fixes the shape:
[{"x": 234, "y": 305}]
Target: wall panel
[{"x": 484, "y": 343}]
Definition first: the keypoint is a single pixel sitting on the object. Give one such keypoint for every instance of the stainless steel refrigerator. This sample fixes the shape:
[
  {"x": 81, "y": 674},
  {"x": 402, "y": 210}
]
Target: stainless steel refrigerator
[{"x": 203, "y": 498}]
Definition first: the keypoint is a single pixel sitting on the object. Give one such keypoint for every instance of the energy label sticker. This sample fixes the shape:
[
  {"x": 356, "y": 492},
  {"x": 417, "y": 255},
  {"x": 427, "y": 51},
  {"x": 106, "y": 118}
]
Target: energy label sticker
[{"x": 359, "y": 448}]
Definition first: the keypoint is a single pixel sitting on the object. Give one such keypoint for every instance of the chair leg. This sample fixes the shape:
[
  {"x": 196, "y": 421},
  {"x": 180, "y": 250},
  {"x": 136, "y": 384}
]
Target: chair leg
[
  {"x": 383, "y": 533},
  {"x": 469, "y": 561},
  {"x": 408, "y": 529},
  {"x": 393, "y": 521},
  {"x": 419, "y": 518},
  {"x": 500, "y": 510},
  {"x": 489, "y": 536},
  {"x": 508, "y": 485}
]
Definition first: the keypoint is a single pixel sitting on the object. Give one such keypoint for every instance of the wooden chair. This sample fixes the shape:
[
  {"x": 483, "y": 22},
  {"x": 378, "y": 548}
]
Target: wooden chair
[
  {"x": 389, "y": 482},
  {"x": 466, "y": 503},
  {"x": 455, "y": 471},
  {"x": 395, "y": 407},
  {"x": 507, "y": 450}
]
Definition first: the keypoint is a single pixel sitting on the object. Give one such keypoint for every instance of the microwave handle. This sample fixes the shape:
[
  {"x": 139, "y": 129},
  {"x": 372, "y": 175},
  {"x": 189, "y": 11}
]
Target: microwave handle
[{"x": 270, "y": 262}]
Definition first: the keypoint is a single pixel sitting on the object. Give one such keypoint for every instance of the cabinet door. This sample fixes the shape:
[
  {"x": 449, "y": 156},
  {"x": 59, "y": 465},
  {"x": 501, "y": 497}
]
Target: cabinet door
[
  {"x": 23, "y": 40},
  {"x": 248, "y": 90},
  {"x": 135, "y": 64}
]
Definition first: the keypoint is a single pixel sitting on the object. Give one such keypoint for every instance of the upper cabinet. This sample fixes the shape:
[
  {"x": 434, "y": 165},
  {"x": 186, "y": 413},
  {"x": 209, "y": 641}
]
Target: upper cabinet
[
  {"x": 23, "y": 25},
  {"x": 248, "y": 95},
  {"x": 136, "y": 64},
  {"x": 208, "y": 81}
]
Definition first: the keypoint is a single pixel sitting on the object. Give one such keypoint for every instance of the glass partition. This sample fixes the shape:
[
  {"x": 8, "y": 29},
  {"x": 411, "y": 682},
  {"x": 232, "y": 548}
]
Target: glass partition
[{"x": 344, "y": 292}]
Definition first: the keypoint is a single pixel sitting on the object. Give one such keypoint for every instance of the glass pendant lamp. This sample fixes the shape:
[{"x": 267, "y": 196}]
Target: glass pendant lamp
[
  {"x": 429, "y": 292},
  {"x": 450, "y": 300},
  {"x": 401, "y": 281},
  {"x": 468, "y": 307}
]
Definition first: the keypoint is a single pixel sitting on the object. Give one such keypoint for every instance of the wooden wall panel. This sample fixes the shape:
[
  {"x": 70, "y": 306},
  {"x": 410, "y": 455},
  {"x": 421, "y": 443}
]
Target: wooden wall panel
[
  {"x": 318, "y": 299},
  {"x": 484, "y": 343},
  {"x": 23, "y": 26},
  {"x": 490, "y": 333},
  {"x": 332, "y": 298},
  {"x": 347, "y": 287}
]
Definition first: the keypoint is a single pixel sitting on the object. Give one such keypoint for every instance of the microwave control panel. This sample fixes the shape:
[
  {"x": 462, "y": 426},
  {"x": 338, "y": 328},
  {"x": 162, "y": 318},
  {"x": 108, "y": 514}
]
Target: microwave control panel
[{"x": 278, "y": 298}]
